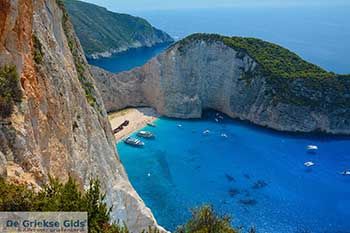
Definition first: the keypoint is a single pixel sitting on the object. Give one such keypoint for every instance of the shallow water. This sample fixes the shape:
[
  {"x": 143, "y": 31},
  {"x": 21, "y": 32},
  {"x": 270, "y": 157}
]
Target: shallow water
[{"x": 256, "y": 175}]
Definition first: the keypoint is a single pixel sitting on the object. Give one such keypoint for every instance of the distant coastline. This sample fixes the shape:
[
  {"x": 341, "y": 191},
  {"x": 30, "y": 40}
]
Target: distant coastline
[{"x": 116, "y": 51}]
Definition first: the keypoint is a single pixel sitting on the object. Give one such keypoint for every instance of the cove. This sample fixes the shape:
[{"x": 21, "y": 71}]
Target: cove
[
  {"x": 129, "y": 59},
  {"x": 255, "y": 175}
]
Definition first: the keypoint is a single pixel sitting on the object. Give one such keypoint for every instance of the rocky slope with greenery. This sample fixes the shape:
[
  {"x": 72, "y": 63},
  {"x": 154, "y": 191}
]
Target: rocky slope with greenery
[
  {"x": 102, "y": 32},
  {"x": 52, "y": 118},
  {"x": 246, "y": 78}
]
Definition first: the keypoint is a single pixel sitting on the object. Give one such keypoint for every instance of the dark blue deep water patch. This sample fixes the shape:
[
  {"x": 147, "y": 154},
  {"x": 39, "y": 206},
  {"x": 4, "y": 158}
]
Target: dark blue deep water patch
[
  {"x": 129, "y": 59},
  {"x": 256, "y": 175}
]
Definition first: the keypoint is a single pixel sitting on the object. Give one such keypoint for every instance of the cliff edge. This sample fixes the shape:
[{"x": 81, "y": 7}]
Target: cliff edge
[
  {"x": 55, "y": 122},
  {"x": 245, "y": 78}
]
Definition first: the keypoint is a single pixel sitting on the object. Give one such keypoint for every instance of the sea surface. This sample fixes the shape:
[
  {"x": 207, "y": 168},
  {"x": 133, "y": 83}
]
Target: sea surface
[
  {"x": 129, "y": 59},
  {"x": 256, "y": 175}
]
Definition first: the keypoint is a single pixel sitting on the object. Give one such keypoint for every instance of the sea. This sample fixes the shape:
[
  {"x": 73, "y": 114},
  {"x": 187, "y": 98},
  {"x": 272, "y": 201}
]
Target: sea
[{"x": 256, "y": 175}]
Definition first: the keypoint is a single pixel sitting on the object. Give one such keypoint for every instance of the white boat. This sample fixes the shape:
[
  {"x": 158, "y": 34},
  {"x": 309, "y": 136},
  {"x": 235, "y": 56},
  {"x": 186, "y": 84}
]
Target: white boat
[
  {"x": 145, "y": 134},
  {"x": 151, "y": 124},
  {"x": 207, "y": 131},
  {"x": 309, "y": 164},
  {"x": 217, "y": 120},
  {"x": 134, "y": 142},
  {"x": 179, "y": 125},
  {"x": 345, "y": 173},
  {"x": 312, "y": 147},
  {"x": 224, "y": 135}
]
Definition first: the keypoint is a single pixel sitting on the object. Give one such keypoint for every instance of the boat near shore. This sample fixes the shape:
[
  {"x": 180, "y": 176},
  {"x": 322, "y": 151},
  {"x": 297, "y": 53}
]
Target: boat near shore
[
  {"x": 134, "y": 142},
  {"x": 145, "y": 134}
]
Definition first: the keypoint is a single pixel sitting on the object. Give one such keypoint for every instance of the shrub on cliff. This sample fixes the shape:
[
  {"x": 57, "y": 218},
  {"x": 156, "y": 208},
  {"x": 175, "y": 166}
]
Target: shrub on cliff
[
  {"x": 56, "y": 196},
  {"x": 10, "y": 90},
  {"x": 205, "y": 220}
]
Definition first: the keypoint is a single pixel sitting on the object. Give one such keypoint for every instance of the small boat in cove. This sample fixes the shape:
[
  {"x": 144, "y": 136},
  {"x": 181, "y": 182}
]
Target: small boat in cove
[
  {"x": 134, "y": 142},
  {"x": 145, "y": 134},
  {"x": 151, "y": 124},
  {"x": 309, "y": 164},
  {"x": 312, "y": 148}
]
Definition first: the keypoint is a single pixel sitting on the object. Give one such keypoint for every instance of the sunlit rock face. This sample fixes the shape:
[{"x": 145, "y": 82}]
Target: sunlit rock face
[
  {"x": 56, "y": 129},
  {"x": 201, "y": 74}
]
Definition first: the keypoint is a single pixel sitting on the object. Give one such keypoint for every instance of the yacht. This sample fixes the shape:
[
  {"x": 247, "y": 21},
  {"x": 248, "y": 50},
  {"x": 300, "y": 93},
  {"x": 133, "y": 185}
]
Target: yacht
[
  {"x": 151, "y": 124},
  {"x": 312, "y": 148},
  {"x": 134, "y": 142},
  {"x": 145, "y": 134},
  {"x": 345, "y": 173},
  {"x": 206, "y": 131},
  {"x": 309, "y": 164}
]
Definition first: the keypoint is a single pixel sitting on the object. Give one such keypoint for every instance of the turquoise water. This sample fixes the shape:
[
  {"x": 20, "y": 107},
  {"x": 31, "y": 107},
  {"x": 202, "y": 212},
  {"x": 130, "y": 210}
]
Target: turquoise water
[{"x": 256, "y": 175}]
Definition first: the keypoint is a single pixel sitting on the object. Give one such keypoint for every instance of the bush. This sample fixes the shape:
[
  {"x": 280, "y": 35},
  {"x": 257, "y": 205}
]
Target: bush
[
  {"x": 37, "y": 52},
  {"x": 61, "y": 197},
  {"x": 10, "y": 90},
  {"x": 56, "y": 196},
  {"x": 205, "y": 220}
]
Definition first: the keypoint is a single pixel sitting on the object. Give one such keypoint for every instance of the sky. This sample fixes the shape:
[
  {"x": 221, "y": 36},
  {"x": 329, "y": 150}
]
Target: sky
[{"x": 144, "y": 5}]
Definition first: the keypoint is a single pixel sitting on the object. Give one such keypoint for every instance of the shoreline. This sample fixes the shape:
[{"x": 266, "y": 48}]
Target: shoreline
[{"x": 137, "y": 117}]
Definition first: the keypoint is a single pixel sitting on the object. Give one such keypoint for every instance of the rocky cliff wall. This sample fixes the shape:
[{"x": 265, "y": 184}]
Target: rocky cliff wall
[
  {"x": 201, "y": 74},
  {"x": 61, "y": 125}
]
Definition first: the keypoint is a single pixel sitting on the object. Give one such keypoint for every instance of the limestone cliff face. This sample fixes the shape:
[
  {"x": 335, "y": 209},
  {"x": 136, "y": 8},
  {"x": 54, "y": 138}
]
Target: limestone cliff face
[
  {"x": 60, "y": 128},
  {"x": 191, "y": 77}
]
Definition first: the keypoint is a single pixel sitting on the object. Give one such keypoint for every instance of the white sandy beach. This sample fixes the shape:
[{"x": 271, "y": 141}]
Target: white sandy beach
[{"x": 137, "y": 117}]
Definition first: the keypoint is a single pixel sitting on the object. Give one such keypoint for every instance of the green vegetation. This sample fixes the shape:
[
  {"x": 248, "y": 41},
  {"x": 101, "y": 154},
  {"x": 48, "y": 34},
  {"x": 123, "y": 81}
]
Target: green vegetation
[
  {"x": 273, "y": 59},
  {"x": 10, "y": 90},
  {"x": 78, "y": 59},
  {"x": 100, "y": 30},
  {"x": 56, "y": 196},
  {"x": 205, "y": 220},
  {"x": 37, "y": 53}
]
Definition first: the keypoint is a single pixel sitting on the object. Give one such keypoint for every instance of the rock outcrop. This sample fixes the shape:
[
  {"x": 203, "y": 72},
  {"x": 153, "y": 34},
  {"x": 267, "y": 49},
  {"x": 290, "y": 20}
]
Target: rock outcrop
[
  {"x": 61, "y": 125},
  {"x": 204, "y": 72},
  {"x": 102, "y": 32}
]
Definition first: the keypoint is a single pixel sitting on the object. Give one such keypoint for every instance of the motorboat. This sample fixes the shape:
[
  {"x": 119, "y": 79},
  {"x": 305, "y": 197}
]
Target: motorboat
[
  {"x": 309, "y": 164},
  {"x": 145, "y": 134},
  {"x": 179, "y": 125},
  {"x": 151, "y": 124},
  {"x": 345, "y": 173},
  {"x": 134, "y": 142},
  {"x": 312, "y": 148},
  {"x": 224, "y": 135},
  {"x": 207, "y": 131}
]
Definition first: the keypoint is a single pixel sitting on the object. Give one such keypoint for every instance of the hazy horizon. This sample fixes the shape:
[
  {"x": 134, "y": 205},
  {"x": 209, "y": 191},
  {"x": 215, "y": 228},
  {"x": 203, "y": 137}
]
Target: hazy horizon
[{"x": 148, "y": 5}]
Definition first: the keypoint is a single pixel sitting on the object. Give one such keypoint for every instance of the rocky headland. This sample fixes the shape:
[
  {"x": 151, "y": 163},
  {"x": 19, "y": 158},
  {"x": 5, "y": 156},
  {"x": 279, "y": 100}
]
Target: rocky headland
[
  {"x": 103, "y": 33},
  {"x": 245, "y": 78}
]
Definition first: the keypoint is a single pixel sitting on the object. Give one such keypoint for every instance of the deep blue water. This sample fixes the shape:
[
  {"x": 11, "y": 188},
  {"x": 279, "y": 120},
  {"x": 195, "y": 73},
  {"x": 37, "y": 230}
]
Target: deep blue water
[
  {"x": 318, "y": 34},
  {"x": 183, "y": 168},
  {"x": 129, "y": 59}
]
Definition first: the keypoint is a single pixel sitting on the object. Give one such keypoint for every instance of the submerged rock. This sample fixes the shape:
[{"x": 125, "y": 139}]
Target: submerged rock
[
  {"x": 259, "y": 184},
  {"x": 230, "y": 178},
  {"x": 233, "y": 192},
  {"x": 249, "y": 202}
]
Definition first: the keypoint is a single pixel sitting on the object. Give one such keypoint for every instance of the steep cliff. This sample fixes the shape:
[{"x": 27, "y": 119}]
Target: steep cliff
[
  {"x": 246, "y": 78},
  {"x": 58, "y": 126},
  {"x": 103, "y": 32}
]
